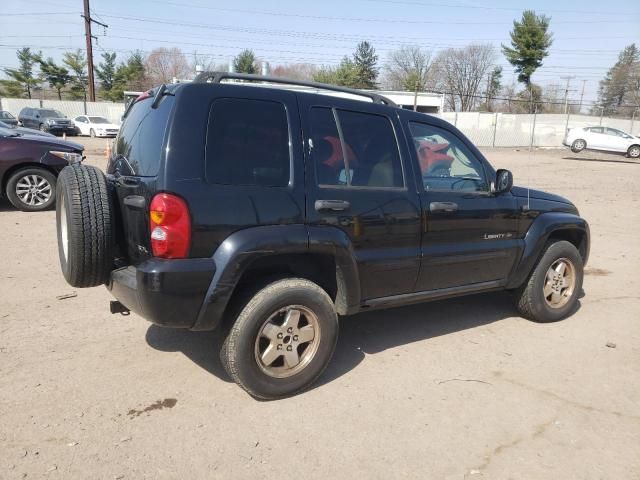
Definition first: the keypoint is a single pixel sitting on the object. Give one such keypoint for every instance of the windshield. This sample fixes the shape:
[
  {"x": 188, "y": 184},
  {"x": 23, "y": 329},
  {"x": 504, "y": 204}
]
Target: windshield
[
  {"x": 51, "y": 114},
  {"x": 6, "y": 115},
  {"x": 98, "y": 120}
]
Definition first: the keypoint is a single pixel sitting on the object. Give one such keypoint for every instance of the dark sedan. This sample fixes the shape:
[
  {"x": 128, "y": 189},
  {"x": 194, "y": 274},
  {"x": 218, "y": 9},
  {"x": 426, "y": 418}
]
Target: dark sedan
[
  {"x": 7, "y": 118},
  {"x": 29, "y": 167}
]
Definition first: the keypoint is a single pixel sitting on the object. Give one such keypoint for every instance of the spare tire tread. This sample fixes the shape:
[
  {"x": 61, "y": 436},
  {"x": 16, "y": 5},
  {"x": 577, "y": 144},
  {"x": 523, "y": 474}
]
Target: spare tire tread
[{"x": 89, "y": 224}]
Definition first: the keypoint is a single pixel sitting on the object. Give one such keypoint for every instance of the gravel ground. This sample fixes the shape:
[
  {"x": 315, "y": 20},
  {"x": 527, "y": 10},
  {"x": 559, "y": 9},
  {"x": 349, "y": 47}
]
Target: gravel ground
[{"x": 450, "y": 390}]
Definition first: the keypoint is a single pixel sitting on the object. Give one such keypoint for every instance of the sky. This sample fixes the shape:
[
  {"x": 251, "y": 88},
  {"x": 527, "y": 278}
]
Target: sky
[{"x": 588, "y": 34}]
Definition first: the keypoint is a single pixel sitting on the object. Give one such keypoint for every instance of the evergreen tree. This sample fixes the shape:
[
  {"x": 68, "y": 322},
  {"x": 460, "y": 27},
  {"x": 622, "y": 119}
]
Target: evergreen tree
[
  {"x": 57, "y": 76},
  {"x": 22, "y": 80},
  {"x": 344, "y": 75},
  {"x": 78, "y": 70},
  {"x": 106, "y": 71},
  {"x": 245, "y": 62},
  {"x": 530, "y": 42},
  {"x": 364, "y": 63},
  {"x": 621, "y": 85}
]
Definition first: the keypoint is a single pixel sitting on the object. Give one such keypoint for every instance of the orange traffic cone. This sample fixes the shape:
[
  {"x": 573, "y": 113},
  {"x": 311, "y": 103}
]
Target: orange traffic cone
[{"x": 107, "y": 152}]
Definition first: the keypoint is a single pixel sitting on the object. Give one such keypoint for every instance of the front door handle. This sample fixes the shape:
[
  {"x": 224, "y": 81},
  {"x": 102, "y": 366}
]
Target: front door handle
[
  {"x": 435, "y": 207},
  {"x": 335, "y": 205}
]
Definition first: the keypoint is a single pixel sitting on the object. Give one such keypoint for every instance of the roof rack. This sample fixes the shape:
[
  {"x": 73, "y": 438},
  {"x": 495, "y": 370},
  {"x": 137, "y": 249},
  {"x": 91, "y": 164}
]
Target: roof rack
[{"x": 217, "y": 77}]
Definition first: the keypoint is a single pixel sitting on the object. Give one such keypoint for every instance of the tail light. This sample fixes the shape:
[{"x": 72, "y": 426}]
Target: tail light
[{"x": 170, "y": 226}]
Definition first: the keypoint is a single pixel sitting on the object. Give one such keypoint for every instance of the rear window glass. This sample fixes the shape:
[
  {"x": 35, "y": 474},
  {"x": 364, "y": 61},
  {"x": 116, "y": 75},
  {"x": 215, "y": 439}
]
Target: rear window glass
[
  {"x": 142, "y": 136},
  {"x": 248, "y": 143}
]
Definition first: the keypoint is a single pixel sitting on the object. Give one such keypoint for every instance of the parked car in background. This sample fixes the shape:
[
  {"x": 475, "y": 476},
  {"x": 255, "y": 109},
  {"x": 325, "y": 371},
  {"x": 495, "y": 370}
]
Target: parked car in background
[
  {"x": 25, "y": 131},
  {"x": 96, "y": 126},
  {"x": 47, "y": 120},
  {"x": 8, "y": 118},
  {"x": 29, "y": 167},
  {"x": 602, "y": 138}
]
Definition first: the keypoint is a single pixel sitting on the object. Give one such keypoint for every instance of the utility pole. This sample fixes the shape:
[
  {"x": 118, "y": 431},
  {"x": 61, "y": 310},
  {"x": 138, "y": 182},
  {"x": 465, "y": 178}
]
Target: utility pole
[
  {"x": 582, "y": 95},
  {"x": 88, "y": 37},
  {"x": 568, "y": 78}
]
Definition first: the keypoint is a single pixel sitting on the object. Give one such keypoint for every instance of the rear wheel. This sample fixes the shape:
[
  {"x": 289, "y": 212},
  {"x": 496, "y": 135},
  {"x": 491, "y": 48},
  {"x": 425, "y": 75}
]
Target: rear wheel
[
  {"x": 634, "y": 151},
  {"x": 578, "y": 145},
  {"x": 32, "y": 189},
  {"x": 282, "y": 340},
  {"x": 551, "y": 293},
  {"x": 85, "y": 228}
]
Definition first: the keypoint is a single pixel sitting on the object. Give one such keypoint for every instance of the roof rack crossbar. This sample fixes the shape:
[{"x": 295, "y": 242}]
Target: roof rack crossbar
[{"x": 217, "y": 77}]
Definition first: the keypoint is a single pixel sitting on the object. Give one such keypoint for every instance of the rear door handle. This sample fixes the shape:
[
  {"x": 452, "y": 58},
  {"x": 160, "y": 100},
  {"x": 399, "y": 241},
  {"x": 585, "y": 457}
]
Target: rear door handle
[
  {"x": 335, "y": 205},
  {"x": 435, "y": 207}
]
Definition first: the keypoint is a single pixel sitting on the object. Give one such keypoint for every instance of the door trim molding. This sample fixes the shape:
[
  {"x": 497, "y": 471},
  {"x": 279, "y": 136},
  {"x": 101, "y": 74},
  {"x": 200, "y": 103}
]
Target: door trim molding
[{"x": 417, "y": 297}]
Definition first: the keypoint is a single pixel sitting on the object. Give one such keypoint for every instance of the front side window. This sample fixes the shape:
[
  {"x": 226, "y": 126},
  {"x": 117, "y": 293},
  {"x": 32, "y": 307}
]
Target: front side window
[
  {"x": 354, "y": 149},
  {"x": 248, "y": 143},
  {"x": 446, "y": 164}
]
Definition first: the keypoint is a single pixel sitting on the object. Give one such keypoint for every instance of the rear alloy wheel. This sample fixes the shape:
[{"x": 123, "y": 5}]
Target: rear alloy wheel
[
  {"x": 634, "y": 151},
  {"x": 32, "y": 189},
  {"x": 578, "y": 145},
  {"x": 282, "y": 340}
]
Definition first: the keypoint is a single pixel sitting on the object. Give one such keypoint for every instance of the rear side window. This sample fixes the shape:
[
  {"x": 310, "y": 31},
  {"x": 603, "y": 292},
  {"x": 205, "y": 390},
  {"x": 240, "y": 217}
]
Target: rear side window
[
  {"x": 139, "y": 145},
  {"x": 248, "y": 143},
  {"x": 354, "y": 149}
]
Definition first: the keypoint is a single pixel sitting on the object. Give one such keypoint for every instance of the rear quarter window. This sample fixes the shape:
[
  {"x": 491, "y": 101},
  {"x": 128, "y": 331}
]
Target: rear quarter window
[
  {"x": 248, "y": 143},
  {"x": 141, "y": 138}
]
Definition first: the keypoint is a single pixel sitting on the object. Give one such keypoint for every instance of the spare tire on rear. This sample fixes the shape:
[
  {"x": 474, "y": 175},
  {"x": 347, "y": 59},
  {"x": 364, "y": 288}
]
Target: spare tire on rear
[{"x": 84, "y": 221}]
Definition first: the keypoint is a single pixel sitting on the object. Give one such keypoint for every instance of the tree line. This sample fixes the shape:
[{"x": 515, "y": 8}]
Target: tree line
[{"x": 467, "y": 76}]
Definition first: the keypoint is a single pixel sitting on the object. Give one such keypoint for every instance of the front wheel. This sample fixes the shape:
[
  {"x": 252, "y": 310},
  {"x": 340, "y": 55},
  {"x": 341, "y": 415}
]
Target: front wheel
[
  {"x": 578, "y": 145},
  {"x": 552, "y": 291},
  {"x": 634, "y": 151},
  {"x": 282, "y": 340},
  {"x": 32, "y": 189}
]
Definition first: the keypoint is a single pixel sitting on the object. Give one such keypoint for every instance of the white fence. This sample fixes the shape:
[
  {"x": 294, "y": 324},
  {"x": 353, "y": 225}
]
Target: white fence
[
  {"x": 484, "y": 129},
  {"x": 112, "y": 111},
  {"x": 520, "y": 130}
]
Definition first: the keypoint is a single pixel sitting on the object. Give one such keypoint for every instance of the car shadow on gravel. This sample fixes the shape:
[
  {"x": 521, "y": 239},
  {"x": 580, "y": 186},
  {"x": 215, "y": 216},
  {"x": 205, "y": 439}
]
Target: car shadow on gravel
[
  {"x": 364, "y": 334},
  {"x": 603, "y": 160}
]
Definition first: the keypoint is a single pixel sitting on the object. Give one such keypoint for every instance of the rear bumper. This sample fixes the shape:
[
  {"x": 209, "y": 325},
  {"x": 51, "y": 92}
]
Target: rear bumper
[{"x": 165, "y": 292}]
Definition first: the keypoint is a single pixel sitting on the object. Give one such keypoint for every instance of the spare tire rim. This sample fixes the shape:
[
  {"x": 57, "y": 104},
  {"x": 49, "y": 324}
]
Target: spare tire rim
[
  {"x": 33, "y": 190},
  {"x": 287, "y": 341},
  {"x": 63, "y": 228},
  {"x": 559, "y": 283}
]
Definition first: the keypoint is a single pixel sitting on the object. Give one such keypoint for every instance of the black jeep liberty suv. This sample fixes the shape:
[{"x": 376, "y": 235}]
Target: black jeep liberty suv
[{"x": 269, "y": 212}]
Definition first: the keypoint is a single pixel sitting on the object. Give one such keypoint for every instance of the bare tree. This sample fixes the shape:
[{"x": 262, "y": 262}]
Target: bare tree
[
  {"x": 408, "y": 68},
  {"x": 164, "y": 64},
  {"x": 460, "y": 73},
  {"x": 295, "y": 71}
]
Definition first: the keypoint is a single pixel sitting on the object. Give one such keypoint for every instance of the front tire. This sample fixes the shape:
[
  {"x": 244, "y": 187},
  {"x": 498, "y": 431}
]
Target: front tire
[
  {"x": 634, "y": 151},
  {"x": 552, "y": 291},
  {"x": 578, "y": 145},
  {"x": 282, "y": 340},
  {"x": 32, "y": 189}
]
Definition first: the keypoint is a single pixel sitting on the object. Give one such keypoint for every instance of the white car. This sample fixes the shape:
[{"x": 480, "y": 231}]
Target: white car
[
  {"x": 96, "y": 126},
  {"x": 602, "y": 138}
]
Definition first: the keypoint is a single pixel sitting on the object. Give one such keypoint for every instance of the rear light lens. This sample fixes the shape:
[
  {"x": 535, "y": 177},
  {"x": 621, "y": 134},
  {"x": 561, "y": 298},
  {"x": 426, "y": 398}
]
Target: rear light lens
[{"x": 169, "y": 226}]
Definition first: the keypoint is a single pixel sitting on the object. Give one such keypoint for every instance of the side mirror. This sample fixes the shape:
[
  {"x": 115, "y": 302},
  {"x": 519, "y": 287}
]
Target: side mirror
[{"x": 504, "y": 181}]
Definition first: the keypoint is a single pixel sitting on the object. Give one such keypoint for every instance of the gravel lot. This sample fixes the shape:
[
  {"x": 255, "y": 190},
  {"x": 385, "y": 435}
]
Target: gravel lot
[{"x": 449, "y": 390}]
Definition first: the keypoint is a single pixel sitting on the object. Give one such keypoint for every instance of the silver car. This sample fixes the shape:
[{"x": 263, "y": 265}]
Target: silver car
[{"x": 602, "y": 138}]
